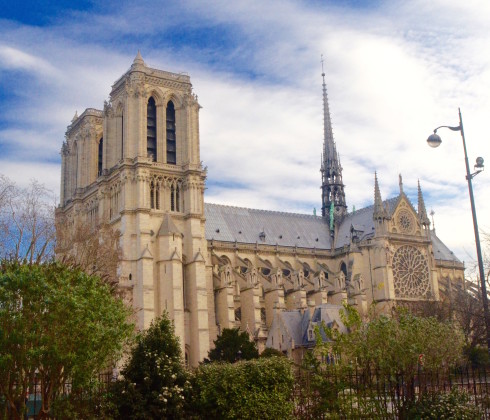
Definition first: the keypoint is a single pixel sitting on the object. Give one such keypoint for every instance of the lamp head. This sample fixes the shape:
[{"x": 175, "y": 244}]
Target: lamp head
[
  {"x": 434, "y": 140},
  {"x": 479, "y": 163}
]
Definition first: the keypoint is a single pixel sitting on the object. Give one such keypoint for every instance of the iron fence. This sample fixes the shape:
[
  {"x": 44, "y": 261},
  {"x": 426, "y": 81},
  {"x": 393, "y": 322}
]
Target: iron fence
[
  {"x": 34, "y": 397},
  {"x": 357, "y": 394}
]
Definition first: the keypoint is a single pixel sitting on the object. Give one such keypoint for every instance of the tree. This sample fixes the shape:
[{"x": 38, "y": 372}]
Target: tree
[
  {"x": 233, "y": 345},
  {"x": 395, "y": 344},
  {"x": 464, "y": 307},
  {"x": 154, "y": 379},
  {"x": 57, "y": 325},
  {"x": 389, "y": 349},
  {"x": 26, "y": 221},
  {"x": 95, "y": 249}
]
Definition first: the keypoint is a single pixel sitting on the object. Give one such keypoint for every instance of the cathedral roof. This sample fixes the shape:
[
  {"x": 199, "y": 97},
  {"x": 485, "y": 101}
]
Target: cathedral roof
[
  {"x": 361, "y": 220},
  {"x": 441, "y": 251},
  {"x": 230, "y": 224},
  {"x": 250, "y": 226}
]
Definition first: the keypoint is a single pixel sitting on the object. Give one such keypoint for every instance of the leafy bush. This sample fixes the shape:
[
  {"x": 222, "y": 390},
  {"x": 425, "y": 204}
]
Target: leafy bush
[
  {"x": 233, "y": 345},
  {"x": 477, "y": 356},
  {"x": 444, "y": 405},
  {"x": 154, "y": 379},
  {"x": 258, "y": 388},
  {"x": 270, "y": 352}
]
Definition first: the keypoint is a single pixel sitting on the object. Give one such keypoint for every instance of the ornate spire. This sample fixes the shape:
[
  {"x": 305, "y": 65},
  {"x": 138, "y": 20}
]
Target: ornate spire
[
  {"x": 379, "y": 211},
  {"x": 331, "y": 169},
  {"x": 424, "y": 219}
]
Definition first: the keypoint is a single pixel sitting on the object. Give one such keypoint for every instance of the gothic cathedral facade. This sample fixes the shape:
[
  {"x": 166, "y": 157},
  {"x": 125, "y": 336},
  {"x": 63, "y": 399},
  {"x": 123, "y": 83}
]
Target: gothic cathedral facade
[{"x": 136, "y": 165}]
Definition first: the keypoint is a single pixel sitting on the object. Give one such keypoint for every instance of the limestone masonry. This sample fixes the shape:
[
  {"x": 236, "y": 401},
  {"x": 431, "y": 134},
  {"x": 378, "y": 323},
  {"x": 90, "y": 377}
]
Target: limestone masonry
[{"x": 136, "y": 165}]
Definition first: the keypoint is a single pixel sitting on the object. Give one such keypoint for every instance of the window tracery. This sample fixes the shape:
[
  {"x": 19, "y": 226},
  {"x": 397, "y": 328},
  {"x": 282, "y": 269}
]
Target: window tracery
[
  {"x": 405, "y": 221},
  {"x": 154, "y": 195},
  {"x": 411, "y": 273}
]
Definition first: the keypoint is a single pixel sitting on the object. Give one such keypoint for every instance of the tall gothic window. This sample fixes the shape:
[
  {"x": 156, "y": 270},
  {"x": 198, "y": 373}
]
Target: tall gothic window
[
  {"x": 177, "y": 198},
  {"x": 154, "y": 195},
  {"x": 100, "y": 156},
  {"x": 171, "y": 143},
  {"x": 151, "y": 129},
  {"x": 172, "y": 198}
]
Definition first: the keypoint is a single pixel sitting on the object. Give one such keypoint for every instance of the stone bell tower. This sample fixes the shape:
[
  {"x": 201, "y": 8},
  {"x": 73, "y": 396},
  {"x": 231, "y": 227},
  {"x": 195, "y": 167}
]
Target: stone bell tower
[{"x": 148, "y": 182}]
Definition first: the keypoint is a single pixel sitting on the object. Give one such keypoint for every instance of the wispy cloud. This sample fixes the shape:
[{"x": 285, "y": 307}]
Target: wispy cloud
[{"x": 394, "y": 70}]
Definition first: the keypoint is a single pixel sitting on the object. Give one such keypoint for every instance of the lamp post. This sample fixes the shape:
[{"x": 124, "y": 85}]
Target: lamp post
[{"x": 434, "y": 141}]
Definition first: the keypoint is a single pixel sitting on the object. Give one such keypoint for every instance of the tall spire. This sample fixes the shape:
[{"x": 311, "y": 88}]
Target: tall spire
[
  {"x": 331, "y": 169},
  {"x": 424, "y": 219}
]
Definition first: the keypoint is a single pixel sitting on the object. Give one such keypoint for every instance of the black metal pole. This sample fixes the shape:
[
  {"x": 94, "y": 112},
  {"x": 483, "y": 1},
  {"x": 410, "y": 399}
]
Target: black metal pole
[{"x": 477, "y": 236}]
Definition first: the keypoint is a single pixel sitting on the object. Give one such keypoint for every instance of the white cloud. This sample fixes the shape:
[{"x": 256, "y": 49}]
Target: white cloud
[{"x": 394, "y": 73}]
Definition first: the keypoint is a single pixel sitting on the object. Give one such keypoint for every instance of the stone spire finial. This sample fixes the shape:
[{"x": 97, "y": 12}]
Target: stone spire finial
[
  {"x": 75, "y": 117},
  {"x": 379, "y": 211},
  {"x": 138, "y": 60},
  {"x": 331, "y": 169},
  {"x": 424, "y": 219},
  {"x": 400, "y": 183}
]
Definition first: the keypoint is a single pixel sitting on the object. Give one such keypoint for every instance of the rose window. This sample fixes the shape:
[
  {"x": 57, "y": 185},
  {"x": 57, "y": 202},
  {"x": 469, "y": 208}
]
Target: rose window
[
  {"x": 405, "y": 221},
  {"x": 411, "y": 273}
]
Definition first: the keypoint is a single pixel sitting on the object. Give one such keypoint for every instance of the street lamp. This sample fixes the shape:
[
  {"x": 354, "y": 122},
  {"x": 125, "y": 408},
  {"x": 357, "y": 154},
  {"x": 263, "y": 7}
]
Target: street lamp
[{"x": 434, "y": 140}]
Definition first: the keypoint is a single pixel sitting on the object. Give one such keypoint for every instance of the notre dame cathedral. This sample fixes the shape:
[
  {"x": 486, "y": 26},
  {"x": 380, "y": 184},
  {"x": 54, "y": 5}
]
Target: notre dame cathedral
[{"x": 136, "y": 164}]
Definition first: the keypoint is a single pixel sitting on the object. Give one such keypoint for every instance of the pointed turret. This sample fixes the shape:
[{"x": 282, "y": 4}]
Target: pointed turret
[
  {"x": 333, "y": 195},
  {"x": 138, "y": 60},
  {"x": 379, "y": 212},
  {"x": 424, "y": 219}
]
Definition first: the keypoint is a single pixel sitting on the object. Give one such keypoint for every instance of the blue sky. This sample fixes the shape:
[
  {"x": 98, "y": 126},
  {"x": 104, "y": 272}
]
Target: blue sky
[{"x": 394, "y": 70}]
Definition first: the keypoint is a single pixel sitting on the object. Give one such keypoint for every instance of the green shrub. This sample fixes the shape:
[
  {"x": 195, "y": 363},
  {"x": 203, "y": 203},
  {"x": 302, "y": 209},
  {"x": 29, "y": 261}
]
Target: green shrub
[
  {"x": 231, "y": 346},
  {"x": 444, "y": 405},
  {"x": 270, "y": 352},
  {"x": 154, "y": 380},
  {"x": 258, "y": 388}
]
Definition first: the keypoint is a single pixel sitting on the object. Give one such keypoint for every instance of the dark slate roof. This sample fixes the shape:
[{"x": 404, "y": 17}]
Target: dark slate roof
[
  {"x": 296, "y": 323},
  {"x": 230, "y": 224},
  {"x": 361, "y": 220},
  {"x": 243, "y": 225},
  {"x": 441, "y": 251}
]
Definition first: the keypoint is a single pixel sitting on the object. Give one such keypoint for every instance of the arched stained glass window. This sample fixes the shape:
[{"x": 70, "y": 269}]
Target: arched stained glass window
[
  {"x": 171, "y": 140},
  {"x": 151, "y": 129}
]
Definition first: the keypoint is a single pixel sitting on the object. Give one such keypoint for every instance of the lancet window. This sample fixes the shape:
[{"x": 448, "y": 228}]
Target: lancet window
[
  {"x": 114, "y": 202},
  {"x": 171, "y": 139},
  {"x": 151, "y": 129},
  {"x": 154, "y": 195},
  {"x": 175, "y": 198},
  {"x": 100, "y": 157}
]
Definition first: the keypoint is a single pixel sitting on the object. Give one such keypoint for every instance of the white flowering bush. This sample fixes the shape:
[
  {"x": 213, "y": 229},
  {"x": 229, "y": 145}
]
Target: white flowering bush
[
  {"x": 444, "y": 405},
  {"x": 154, "y": 381}
]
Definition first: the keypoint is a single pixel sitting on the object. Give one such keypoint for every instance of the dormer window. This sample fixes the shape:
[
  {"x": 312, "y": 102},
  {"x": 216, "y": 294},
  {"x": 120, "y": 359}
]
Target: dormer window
[
  {"x": 171, "y": 139},
  {"x": 151, "y": 130}
]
